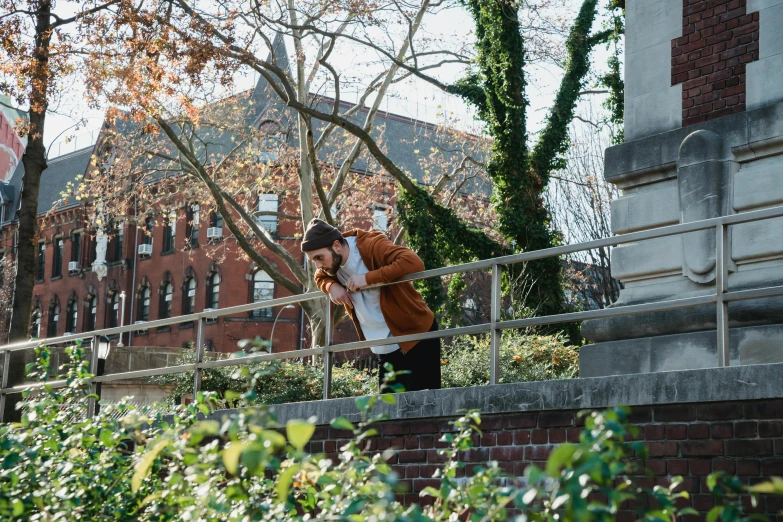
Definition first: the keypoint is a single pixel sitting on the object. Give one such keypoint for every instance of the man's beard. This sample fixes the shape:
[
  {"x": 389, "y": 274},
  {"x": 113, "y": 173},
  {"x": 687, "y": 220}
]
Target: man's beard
[{"x": 337, "y": 261}]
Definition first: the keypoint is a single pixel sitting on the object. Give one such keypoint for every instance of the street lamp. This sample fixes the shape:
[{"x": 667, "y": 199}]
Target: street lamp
[
  {"x": 104, "y": 347},
  {"x": 272, "y": 336},
  {"x": 122, "y": 318}
]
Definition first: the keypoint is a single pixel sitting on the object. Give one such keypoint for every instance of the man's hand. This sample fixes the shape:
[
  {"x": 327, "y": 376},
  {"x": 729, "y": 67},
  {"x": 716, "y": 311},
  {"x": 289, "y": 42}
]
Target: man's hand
[
  {"x": 356, "y": 283},
  {"x": 340, "y": 296}
]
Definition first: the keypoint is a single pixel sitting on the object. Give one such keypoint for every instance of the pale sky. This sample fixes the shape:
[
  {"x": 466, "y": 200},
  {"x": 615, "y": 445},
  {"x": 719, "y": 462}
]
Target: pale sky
[{"x": 415, "y": 99}]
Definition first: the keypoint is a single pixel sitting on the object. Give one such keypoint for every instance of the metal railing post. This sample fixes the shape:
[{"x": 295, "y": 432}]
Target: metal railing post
[
  {"x": 495, "y": 333},
  {"x": 4, "y": 383},
  {"x": 327, "y": 354},
  {"x": 721, "y": 288},
  {"x": 92, "y": 403},
  {"x": 198, "y": 373}
]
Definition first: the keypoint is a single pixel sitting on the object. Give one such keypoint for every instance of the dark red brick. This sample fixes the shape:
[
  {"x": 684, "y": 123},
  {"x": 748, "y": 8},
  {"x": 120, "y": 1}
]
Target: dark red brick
[
  {"x": 657, "y": 467},
  {"x": 745, "y": 430},
  {"x": 538, "y": 452},
  {"x": 519, "y": 468},
  {"x": 489, "y": 439},
  {"x": 662, "y": 449},
  {"x": 491, "y": 423},
  {"x": 521, "y": 437},
  {"x": 411, "y": 443},
  {"x": 426, "y": 442},
  {"x": 416, "y": 427},
  {"x": 640, "y": 414},
  {"x": 539, "y": 436},
  {"x": 505, "y": 438},
  {"x": 674, "y": 413},
  {"x": 507, "y": 453},
  {"x": 522, "y": 420},
  {"x": 572, "y": 434},
  {"x": 411, "y": 472},
  {"x": 676, "y": 431},
  {"x": 720, "y": 410},
  {"x": 557, "y": 436},
  {"x": 395, "y": 428},
  {"x": 555, "y": 419},
  {"x": 727, "y": 465},
  {"x": 677, "y": 467},
  {"x": 723, "y": 430},
  {"x": 654, "y": 432},
  {"x": 772, "y": 409},
  {"x": 434, "y": 456},
  {"x": 749, "y": 448},
  {"x": 700, "y": 467},
  {"x": 701, "y": 448},
  {"x": 772, "y": 468},
  {"x": 748, "y": 468},
  {"x": 703, "y": 502},
  {"x": 698, "y": 431}
]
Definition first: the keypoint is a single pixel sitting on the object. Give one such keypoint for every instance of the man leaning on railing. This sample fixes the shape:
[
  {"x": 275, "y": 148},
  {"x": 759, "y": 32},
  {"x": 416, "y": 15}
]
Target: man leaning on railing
[{"x": 346, "y": 264}]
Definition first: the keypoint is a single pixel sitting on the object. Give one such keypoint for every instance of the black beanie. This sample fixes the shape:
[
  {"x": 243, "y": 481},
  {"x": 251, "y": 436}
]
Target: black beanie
[{"x": 319, "y": 234}]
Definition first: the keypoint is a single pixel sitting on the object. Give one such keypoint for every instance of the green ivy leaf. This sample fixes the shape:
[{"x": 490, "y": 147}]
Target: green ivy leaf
[
  {"x": 231, "y": 456},
  {"x": 284, "y": 482},
  {"x": 341, "y": 423},
  {"x": 143, "y": 468},
  {"x": 299, "y": 433},
  {"x": 559, "y": 459}
]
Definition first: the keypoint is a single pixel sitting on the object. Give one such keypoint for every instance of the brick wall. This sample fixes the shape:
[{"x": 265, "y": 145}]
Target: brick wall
[
  {"x": 719, "y": 38},
  {"x": 691, "y": 440}
]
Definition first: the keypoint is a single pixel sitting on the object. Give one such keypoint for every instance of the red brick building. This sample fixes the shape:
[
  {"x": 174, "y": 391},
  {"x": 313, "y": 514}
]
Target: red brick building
[{"x": 168, "y": 270}]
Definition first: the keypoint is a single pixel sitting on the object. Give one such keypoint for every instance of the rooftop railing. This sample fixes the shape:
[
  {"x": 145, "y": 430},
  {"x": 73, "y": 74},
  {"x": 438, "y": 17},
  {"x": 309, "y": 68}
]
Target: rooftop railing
[{"x": 721, "y": 298}]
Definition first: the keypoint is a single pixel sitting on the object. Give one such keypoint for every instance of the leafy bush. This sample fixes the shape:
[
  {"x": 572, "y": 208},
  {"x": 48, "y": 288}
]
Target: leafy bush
[
  {"x": 465, "y": 363},
  {"x": 57, "y": 464},
  {"x": 274, "y": 382},
  {"x": 522, "y": 358}
]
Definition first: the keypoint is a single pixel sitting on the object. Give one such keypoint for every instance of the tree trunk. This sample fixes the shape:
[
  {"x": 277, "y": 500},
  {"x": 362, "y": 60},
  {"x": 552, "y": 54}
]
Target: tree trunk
[{"x": 34, "y": 161}]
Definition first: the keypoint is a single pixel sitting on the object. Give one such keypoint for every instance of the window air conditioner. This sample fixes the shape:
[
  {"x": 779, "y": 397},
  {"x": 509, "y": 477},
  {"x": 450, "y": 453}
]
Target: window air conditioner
[
  {"x": 145, "y": 250},
  {"x": 73, "y": 266},
  {"x": 214, "y": 232}
]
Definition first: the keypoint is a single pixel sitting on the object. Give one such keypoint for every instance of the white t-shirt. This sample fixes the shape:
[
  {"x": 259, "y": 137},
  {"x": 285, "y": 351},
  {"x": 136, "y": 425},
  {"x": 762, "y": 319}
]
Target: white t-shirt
[{"x": 367, "y": 302}]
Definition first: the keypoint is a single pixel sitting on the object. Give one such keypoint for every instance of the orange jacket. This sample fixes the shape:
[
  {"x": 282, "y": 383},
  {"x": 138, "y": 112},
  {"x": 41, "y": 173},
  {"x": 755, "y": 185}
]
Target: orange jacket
[{"x": 402, "y": 306}]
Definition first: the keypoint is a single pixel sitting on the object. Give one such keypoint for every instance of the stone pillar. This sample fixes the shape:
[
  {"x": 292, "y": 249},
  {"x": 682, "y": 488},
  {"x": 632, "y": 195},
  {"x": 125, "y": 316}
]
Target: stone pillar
[{"x": 718, "y": 152}]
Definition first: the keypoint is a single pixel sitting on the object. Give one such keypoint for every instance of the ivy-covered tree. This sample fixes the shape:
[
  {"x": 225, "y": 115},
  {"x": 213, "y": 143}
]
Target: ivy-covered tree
[{"x": 496, "y": 86}]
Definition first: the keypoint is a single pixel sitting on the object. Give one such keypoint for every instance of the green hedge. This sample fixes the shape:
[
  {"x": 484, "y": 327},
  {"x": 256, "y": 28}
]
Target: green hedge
[
  {"x": 465, "y": 362},
  {"x": 60, "y": 464}
]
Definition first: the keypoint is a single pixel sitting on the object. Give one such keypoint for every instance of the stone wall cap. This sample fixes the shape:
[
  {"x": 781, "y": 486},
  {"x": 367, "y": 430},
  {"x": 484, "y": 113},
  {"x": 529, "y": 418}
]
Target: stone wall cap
[{"x": 735, "y": 383}]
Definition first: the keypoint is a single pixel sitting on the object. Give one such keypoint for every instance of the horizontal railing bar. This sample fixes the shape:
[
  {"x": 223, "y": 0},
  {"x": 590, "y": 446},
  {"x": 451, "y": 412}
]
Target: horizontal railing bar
[
  {"x": 753, "y": 293},
  {"x": 137, "y": 374},
  {"x": 60, "y": 383},
  {"x": 310, "y": 296},
  {"x": 448, "y": 332},
  {"x": 478, "y": 265},
  {"x": 671, "y": 230},
  {"x": 661, "y": 306},
  {"x": 261, "y": 357}
]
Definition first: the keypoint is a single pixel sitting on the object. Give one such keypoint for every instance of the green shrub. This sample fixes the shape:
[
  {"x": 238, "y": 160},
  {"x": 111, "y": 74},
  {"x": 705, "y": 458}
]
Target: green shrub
[
  {"x": 522, "y": 358},
  {"x": 58, "y": 464},
  {"x": 274, "y": 382}
]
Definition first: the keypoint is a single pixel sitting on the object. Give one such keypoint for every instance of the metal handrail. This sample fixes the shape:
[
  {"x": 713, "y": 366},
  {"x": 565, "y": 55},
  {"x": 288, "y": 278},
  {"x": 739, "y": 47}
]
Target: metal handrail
[{"x": 721, "y": 297}]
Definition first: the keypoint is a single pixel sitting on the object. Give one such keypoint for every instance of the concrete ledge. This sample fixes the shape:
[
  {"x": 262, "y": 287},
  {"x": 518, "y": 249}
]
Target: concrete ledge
[{"x": 690, "y": 386}]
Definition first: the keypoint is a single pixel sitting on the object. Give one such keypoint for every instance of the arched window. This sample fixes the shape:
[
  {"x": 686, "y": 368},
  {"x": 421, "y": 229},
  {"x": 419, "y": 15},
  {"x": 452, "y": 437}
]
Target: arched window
[
  {"x": 213, "y": 290},
  {"x": 170, "y": 232},
  {"x": 72, "y": 314},
  {"x": 144, "y": 304},
  {"x": 113, "y": 312},
  {"x": 263, "y": 290},
  {"x": 191, "y": 227},
  {"x": 54, "y": 319},
  {"x": 92, "y": 314},
  {"x": 189, "y": 297},
  {"x": 35, "y": 324},
  {"x": 165, "y": 300}
]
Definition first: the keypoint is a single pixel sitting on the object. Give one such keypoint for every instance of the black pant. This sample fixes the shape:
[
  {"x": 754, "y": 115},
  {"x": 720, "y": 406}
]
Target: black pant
[{"x": 422, "y": 361}]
